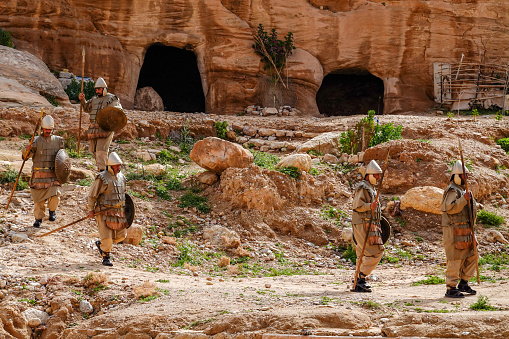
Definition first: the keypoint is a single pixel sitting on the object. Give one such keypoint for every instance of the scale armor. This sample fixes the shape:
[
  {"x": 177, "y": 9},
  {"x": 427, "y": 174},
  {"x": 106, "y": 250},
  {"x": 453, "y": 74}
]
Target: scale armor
[
  {"x": 94, "y": 106},
  {"x": 43, "y": 169},
  {"x": 114, "y": 196}
]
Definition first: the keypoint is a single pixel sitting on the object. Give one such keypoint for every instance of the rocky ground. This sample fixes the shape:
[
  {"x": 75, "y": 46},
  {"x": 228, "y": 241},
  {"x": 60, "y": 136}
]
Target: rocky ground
[{"x": 247, "y": 262}]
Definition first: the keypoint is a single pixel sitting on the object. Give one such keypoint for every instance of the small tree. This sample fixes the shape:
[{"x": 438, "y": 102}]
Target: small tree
[
  {"x": 274, "y": 53},
  {"x": 6, "y": 38}
]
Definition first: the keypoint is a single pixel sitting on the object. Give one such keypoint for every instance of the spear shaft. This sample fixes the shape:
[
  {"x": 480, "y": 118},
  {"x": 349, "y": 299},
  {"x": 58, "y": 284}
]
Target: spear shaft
[
  {"x": 81, "y": 108},
  {"x": 74, "y": 222}
]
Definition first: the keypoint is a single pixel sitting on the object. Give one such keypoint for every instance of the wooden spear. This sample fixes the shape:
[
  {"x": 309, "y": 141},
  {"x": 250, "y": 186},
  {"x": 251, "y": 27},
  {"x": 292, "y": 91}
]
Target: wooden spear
[
  {"x": 470, "y": 216},
  {"x": 81, "y": 108},
  {"x": 75, "y": 222},
  {"x": 370, "y": 221},
  {"x": 25, "y": 158}
]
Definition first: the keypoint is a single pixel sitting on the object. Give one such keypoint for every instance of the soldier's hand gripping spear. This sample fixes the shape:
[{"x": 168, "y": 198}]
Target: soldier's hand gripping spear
[
  {"x": 77, "y": 221},
  {"x": 379, "y": 187},
  {"x": 470, "y": 216},
  {"x": 25, "y": 157}
]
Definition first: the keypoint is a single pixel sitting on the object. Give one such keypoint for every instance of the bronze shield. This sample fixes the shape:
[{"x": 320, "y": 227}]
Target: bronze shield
[
  {"x": 129, "y": 210},
  {"x": 62, "y": 166},
  {"x": 111, "y": 119}
]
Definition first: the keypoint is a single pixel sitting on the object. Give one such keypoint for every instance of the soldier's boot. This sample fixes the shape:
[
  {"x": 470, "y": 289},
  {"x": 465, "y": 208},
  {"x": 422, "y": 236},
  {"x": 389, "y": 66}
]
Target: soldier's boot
[
  {"x": 452, "y": 292},
  {"x": 98, "y": 244},
  {"x": 37, "y": 223},
  {"x": 52, "y": 215},
  {"x": 463, "y": 287},
  {"x": 106, "y": 259},
  {"x": 361, "y": 286}
]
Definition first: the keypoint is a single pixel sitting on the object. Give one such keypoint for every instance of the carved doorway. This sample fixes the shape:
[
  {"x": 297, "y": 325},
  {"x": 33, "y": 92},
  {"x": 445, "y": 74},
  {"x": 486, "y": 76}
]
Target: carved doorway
[
  {"x": 173, "y": 73},
  {"x": 350, "y": 93}
]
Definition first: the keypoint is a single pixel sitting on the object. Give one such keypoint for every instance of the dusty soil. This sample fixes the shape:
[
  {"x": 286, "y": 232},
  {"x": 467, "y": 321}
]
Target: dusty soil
[{"x": 287, "y": 272}]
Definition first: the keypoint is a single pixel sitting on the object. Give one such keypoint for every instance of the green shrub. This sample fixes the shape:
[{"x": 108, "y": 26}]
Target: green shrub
[
  {"x": 191, "y": 199},
  {"x": 11, "y": 176},
  {"x": 166, "y": 156},
  {"x": 431, "y": 280},
  {"x": 504, "y": 143},
  {"x": 265, "y": 160},
  {"x": 292, "y": 171},
  {"x": 490, "y": 218},
  {"x": 6, "y": 38},
  {"x": 74, "y": 89},
  {"x": 162, "y": 192},
  {"x": 188, "y": 254},
  {"x": 384, "y": 133},
  {"x": 221, "y": 129},
  {"x": 349, "y": 254},
  {"x": 482, "y": 304}
]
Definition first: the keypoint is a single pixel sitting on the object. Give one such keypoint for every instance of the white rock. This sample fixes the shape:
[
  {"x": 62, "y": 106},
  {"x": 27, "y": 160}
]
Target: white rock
[
  {"x": 32, "y": 313},
  {"x": 86, "y": 307},
  {"x": 426, "y": 199}
]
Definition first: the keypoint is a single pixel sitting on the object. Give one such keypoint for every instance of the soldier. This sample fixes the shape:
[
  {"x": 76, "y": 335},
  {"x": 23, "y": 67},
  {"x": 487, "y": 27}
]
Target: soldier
[
  {"x": 43, "y": 183},
  {"x": 108, "y": 191},
  {"x": 363, "y": 205},
  {"x": 99, "y": 139},
  {"x": 457, "y": 234}
]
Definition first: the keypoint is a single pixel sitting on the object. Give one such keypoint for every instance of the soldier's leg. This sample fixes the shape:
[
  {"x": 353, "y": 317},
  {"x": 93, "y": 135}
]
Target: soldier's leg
[
  {"x": 467, "y": 271},
  {"x": 372, "y": 253},
  {"x": 102, "y": 148},
  {"x": 39, "y": 209},
  {"x": 52, "y": 207},
  {"x": 119, "y": 236},
  {"x": 452, "y": 273},
  {"x": 92, "y": 143},
  {"x": 105, "y": 233}
]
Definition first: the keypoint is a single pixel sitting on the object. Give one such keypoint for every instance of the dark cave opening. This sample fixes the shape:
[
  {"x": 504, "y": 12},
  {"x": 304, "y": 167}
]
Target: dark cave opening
[
  {"x": 350, "y": 93},
  {"x": 173, "y": 73}
]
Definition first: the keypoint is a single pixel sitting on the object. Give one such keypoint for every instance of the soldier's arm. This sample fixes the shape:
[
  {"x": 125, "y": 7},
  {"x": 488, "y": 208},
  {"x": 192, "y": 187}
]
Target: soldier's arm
[
  {"x": 97, "y": 188},
  {"x": 361, "y": 201},
  {"x": 62, "y": 144},
  {"x": 454, "y": 205},
  {"x": 87, "y": 105},
  {"x": 113, "y": 101},
  {"x": 28, "y": 151}
]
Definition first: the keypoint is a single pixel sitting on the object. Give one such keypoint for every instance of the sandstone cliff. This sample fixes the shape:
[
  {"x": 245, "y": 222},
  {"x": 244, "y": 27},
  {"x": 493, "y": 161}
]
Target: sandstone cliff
[{"x": 396, "y": 41}]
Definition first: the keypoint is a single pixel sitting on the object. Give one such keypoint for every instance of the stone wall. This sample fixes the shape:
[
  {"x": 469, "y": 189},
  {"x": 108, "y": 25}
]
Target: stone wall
[{"x": 397, "y": 41}]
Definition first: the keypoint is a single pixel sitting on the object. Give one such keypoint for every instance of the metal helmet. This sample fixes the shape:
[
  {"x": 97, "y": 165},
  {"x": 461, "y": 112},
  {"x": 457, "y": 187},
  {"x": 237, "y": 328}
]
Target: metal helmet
[
  {"x": 373, "y": 168},
  {"x": 100, "y": 83},
  {"x": 457, "y": 168},
  {"x": 113, "y": 159},
  {"x": 48, "y": 122}
]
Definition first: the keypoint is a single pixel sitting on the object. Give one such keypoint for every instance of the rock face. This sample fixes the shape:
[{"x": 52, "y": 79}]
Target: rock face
[
  {"x": 396, "y": 41},
  {"x": 326, "y": 143},
  {"x": 216, "y": 155},
  {"x": 301, "y": 161},
  {"x": 25, "y": 79},
  {"x": 147, "y": 99}
]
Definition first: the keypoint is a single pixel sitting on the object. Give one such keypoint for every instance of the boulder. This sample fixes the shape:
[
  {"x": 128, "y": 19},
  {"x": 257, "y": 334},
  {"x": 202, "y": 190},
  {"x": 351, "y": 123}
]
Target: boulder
[
  {"x": 25, "y": 80},
  {"x": 495, "y": 236},
  {"x": 147, "y": 99},
  {"x": 134, "y": 235},
  {"x": 301, "y": 161},
  {"x": 330, "y": 159},
  {"x": 216, "y": 155},
  {"x": 425, "y": 199},
  {"x": 221, "y": 236},
  {"x": 323, "y": 143},
  {"x": 207, "y": 177}
]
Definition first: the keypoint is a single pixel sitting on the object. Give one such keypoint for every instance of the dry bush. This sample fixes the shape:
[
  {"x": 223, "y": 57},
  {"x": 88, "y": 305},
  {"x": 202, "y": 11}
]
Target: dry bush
[
  {"x": 233, "y": 269},
  {"x": 95, "y": 279},
  {"x": 223, "y": 261},
  {"x": 190, "y": 267}
]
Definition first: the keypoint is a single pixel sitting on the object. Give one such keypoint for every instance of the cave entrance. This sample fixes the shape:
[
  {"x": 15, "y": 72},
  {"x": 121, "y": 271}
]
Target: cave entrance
[
  {"x": 350, "y": 93},
  {"x": 173, "y": 73}
]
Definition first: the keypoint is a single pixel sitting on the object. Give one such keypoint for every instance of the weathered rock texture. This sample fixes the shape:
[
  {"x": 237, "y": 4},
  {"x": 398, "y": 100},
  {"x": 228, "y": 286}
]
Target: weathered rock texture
[
  {"x": 25, "y": 80},
  {"x": 147, "y": 99},
  {"x": 397, "y": 41},
  {"x": 216, "y": 155}
]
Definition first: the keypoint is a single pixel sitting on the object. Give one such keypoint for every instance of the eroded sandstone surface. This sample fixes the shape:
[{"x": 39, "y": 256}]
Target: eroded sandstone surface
[{"x": 396, "y": 41}]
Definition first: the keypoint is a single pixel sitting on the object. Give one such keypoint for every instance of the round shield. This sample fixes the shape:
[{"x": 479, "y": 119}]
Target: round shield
[
  {"x": 111, "y": 119},
  {"x": 386, "y": 230},
  {"x": 62, "y": 166},
  {"x": 129, "y": 210}
]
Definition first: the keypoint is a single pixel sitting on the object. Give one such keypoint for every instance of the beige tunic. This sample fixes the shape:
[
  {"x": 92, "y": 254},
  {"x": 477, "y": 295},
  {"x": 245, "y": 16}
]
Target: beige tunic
[
  {"x": 455, "y": 213},
  {"x": 44, "y": 183}
]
